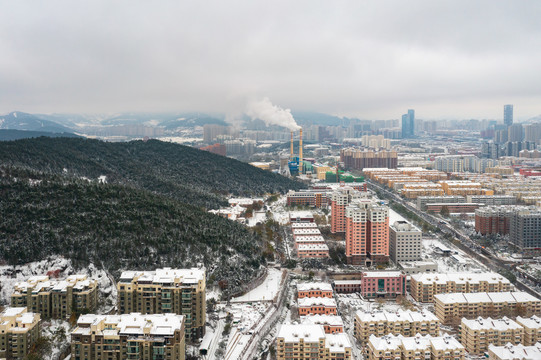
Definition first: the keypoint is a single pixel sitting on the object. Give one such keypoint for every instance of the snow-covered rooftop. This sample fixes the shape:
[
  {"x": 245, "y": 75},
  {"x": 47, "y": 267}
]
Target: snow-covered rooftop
[
  {"x": 314, "y": 286},
  {"x": 491, "y": 324},
  {"x": 331, "y": 320},
  {"x": 442, "y": 278},
  {"x": 165, "y": 276},
  {"x": 395, "y": 316},
  {"x": 293, "y": 333},
  {"x": 134, "y": 324},
  {"x": 317, "y": 301},
  {"x": 533, "y": 322},
  {"x": 516, "y": 352}
]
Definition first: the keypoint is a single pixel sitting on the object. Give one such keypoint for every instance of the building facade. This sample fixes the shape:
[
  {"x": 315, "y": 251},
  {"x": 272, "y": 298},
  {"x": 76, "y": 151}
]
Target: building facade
[
  {"x": 405, "y": 242},
  {"x": 383, "y": 284},
  {"x": 525, "y": 229},
  {"x": 19, "y": 331},
  {"x": 177, "y": 291},
  {"x": 390, "y": 347},
  {"x": 129, "y": 336},
  {"x": 532, "y": 329},
  {"x": 477, "y": 334},
  {"x": 56, "y": 298}
]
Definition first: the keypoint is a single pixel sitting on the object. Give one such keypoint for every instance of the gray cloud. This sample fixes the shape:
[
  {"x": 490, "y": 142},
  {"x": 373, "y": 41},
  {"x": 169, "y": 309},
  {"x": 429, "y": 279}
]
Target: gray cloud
[{"x": 368, "y": 59}]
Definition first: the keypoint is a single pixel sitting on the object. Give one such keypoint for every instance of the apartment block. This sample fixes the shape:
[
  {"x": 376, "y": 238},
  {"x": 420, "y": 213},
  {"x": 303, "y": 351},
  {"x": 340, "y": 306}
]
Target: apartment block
[
  {"x": 331, "y": 323},
  {"x": 177, "y": 291},
  {"x": 314, "y": 289},
  {"x": 405, "y": 242},
  {"x": 129, "y": 336},
  {"x": 312, "y": 251},
  {"x": 383, "y": 284},
  {"x": 19, "y": 331},
  {"x": 492, "y": 200},
  {"x": 340, "y": 199},
  {"x": 423, "y": 201},
  {"x": 310, "y": 342},
  {"x": 451, "y": 308},
  {"x": 493, "y": 219},
  {"x": 532, "y": 329},
  {"x": 367, "y": 232},
  {"x": 390, "y": 347},
  {"x": 525, "y": 229},
  {"x": 359, "y": 159},
  {"x": 57, "y": 299},
  {"x": 477, "y": 334},
  {"x": 405, "y": 323},
  {"x": 316, "y": 306},
  {"x": 423, "y": 287},
  {"x": 514, "y": 352}
]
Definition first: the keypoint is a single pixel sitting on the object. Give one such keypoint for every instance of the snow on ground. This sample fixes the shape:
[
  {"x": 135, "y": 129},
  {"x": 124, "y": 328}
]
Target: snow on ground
[
  {"x": 447, "y": 263},
  {"x": 258, "y": 217},
  {"x": 10, "y": 275},
  {"x": 58, "y": 331},
  {"x": 394, "y": 216},
  {"x": 279, "y": 212},
  {"x": 264, "y": 292}
]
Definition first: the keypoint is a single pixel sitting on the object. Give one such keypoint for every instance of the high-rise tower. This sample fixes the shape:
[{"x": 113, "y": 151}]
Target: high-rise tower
[
  {"x": 408, "y": 124},
  {"x": 508, "y": 115}
]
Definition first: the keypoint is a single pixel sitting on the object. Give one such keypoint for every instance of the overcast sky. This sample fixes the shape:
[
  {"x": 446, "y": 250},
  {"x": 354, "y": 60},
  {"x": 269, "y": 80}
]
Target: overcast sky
[{"x": 372, "y": 60}]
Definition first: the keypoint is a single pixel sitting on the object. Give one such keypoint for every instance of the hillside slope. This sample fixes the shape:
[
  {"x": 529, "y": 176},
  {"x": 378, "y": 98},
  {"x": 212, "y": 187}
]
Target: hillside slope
[
  {"x": 189, "y": 175},
  {"x": 117, "y": 227}
]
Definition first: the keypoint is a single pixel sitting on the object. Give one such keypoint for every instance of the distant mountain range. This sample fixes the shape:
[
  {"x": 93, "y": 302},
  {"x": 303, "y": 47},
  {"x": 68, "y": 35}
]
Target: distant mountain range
[
  {"x": 23, "y": 121},
  {"x": 8, "y": 135}
]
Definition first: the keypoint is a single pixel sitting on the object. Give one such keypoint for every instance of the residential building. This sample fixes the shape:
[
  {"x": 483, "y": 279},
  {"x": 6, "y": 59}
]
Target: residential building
[
  {"x": 514, "y": 352},
  {"x": 347, "y": 286},
  {"x": 405, "y": 242},
  {"x": 406, "y": 323},
  {"x": 491, "y": 200},
  {"x": 129, "y": 336},
  {"x": 386, "y": 284},
  {"x": 340, "y": 199},
  {"x": 331, "y": 323},
  {"x": 525, "y": 229},
  {"x": 452, "y": 307},
  {"x": 310, "y": 342},
  {"x": 316, "y": 306},
  {"x": 314, "y": 289},
  {"x": 424, "y": 286},
  {"x": 57, "y": 299},
  {"x": 390, "y": 347},
  {"x": 423, "y": 201},
  {"x": 532, "y": 329},
  {"x": 312, "y": 251},
  {"x": 463, "y": 208},
  {"x": 358, "y": 159},
  {"x": 19, "y": 331},
  {"x": 367, "y": 232},
  {"x": 494, "y": 219},
  {"x": 177, "y": 291},
  {"x": 477, "y": 334}
]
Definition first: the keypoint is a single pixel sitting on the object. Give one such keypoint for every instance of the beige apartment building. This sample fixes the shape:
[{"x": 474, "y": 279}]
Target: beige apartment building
[
  {"x": 390, "y": 347},
  {"x": 405, "y": 323},
  {"x": 310, "y": 342},
  {"x": 129, "y": 336},
  {"x": 423, "y": 287},
  {"x": 514, "y": 352},
  {"x": 56, "y": 299},
  {"x": 451, "y": 308},
  {"x": 532, "y": 329},
  {"x": 19, "y": 330},
  {"x": 177, "y": 291},
  {"x": 477, "y": 334}
]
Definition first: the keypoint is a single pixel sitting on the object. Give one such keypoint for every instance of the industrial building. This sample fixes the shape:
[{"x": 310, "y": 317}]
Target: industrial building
[{"x": 164, "y": 291}]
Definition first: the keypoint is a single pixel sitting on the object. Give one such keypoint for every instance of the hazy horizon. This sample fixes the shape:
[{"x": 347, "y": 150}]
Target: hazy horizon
[{"x": 370, "y": 60}]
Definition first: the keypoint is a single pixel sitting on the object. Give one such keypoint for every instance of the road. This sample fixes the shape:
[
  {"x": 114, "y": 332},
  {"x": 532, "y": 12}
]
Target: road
[{"x": 465, "y": 243}]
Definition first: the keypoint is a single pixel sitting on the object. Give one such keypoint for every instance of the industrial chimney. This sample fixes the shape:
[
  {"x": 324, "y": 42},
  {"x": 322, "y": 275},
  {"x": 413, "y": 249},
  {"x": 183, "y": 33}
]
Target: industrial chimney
[
  {"x": 301, "y": 164},
  {"x": 291, "y": 155}
]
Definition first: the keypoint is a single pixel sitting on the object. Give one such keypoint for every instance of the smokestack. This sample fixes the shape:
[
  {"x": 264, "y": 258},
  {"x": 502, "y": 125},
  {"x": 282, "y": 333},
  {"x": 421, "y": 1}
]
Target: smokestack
[
  {"x": 291, "y": 155},
  {"x": 300, "y": 154}
]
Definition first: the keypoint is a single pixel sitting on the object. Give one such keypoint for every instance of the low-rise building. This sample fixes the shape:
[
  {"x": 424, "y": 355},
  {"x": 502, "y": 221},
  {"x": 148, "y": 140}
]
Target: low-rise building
[
  {"x": 296, "y": 342},
  {"x": 451, "y": 308},
  {"x": 424, "y": 286},
  {"x": 414, "y": 348},
  {"x": 514, "y": 352},
  {"x": 406, "y": 323},
  {"x": 423, "y": 201},
  {"x": 347, "y": 286},
  {"x": 331, "y": 323},
  {"x": 314, "y": 289},
  {"x": 477, "y": 334},
  {"x": 387, "y": 284},
  {"x": 163, "y": 291},
  {"x": 316, "y": 306},
  {"x": 417, "y": 267},
  {"x": 532, "y": 329},
  {"x": 19, "y": 331},
  {"x": 312, "y": 251},
  {"x": 129, "y": 336},
  {"x": 53, "y": 298}
]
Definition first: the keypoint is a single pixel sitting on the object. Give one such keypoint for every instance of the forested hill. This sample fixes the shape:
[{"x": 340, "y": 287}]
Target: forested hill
[
  {"x": 189, "y": 175},
  {"x": 117, "y": 227}
]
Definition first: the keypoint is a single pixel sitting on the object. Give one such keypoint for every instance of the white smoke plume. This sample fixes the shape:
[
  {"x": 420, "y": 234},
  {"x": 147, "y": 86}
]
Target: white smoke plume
[{"x": 271, "y": 114}]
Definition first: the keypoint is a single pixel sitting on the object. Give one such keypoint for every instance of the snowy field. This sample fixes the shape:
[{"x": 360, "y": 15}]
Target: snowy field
[
  {"x": 264, "y": 292},
  {"x": 447, "y": 263},
  {"x": 279, "y": 212}
]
